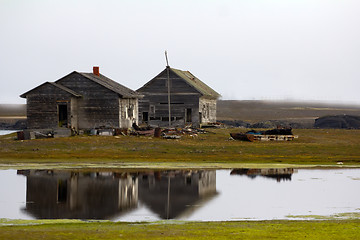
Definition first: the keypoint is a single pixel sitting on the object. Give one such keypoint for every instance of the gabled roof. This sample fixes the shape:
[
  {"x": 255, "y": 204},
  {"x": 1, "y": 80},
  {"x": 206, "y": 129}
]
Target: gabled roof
[
  {"x": 112, "y": 85},
  {"x": 66, "y": 89},
  {"x": 196, "y": 83},
  {"x": 191, "y": 80},
  {"x": 101, "y": 80},
  {"x": 55, "y": 85}
]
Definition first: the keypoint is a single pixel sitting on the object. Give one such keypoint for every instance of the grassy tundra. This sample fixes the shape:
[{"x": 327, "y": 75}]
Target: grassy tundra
[
  {"x": 345, "y": 229},
  {"x": 313, "y": 147}
]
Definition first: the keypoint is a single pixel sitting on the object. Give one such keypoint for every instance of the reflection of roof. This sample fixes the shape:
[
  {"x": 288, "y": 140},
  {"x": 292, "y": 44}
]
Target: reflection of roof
[
  {"x": 175, "y": 195},
  {"x": 190, "y": 209},
  {"x": 196, "y": 83},
  {"x": 179, "y": 205}
]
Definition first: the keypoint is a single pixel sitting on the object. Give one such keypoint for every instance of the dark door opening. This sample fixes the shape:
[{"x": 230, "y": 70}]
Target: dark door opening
[
  {"x": 62, "y": 191},
  {"x": 188, "y": 115},
  {"x": 63, "y": 116},
  {"x": 145, "y": 117}
]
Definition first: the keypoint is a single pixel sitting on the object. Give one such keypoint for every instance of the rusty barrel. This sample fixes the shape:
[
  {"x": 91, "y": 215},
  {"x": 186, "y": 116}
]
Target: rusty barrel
[{"x": 157, "y": 132}]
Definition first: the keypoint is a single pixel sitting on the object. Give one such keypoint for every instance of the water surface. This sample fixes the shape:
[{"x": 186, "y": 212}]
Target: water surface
[
  {"x": 205, "y": 195},
  {"x": 5, "y": 132}
]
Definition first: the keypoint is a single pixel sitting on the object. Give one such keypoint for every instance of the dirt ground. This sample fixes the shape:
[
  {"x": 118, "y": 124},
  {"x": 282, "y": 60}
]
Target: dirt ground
[{"x": 298, "y": 113}]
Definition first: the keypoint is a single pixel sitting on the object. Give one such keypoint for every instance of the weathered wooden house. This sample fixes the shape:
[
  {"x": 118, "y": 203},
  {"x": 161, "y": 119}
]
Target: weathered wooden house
[
  {"x": 191, "y": 100},
  {"x": 81, "y": 101}
]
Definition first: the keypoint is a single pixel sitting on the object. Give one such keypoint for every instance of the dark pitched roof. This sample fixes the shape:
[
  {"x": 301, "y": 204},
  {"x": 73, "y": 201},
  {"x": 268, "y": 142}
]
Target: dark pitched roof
[
  {"x": 102, "y": 80},
  {"x": 112, "y": 85},
  {"x": 55, "y": 85},
  {"x": 66, "y": 89},
  {"x": 190, "y": 79},
  {"x": 196, "y": 83}
]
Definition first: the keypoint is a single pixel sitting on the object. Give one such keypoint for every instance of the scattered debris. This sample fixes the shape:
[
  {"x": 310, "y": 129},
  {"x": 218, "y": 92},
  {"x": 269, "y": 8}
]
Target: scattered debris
[
  {"x": 278, "y": 134},
  {"x": 106, "y": 132},
  {"x": 167, "y": 133},
  {"x": 171, "y": 136},
  {"x": 213, "y": 125},
  {"x": 142, "y": 131},
  {"x": 32, "y": 134}
]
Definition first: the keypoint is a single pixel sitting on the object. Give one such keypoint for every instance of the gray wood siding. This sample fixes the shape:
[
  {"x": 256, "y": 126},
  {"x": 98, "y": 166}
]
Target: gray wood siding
[
  {"x": 42, "y": 106},
  {"x": 207, "y": 107},
  {"x": 155, "y": 103},
  {"x": 99, "y": 106}
]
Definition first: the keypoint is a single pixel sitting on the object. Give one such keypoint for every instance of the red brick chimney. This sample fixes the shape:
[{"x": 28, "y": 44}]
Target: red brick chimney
[{"x": 96, "y": 71}]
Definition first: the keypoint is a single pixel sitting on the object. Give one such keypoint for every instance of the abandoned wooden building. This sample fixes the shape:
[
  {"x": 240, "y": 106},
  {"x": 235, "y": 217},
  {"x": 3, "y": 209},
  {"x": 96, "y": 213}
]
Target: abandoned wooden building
[
  {"x": 191, "y": 100},
  {"x": 81, "y": 101}
]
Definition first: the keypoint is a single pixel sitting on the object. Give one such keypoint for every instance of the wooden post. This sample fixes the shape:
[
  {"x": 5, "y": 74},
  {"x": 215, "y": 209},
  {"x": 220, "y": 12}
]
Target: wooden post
[
  {"x": 168, "y": 84},
  {"x": 168, "y": 199}
]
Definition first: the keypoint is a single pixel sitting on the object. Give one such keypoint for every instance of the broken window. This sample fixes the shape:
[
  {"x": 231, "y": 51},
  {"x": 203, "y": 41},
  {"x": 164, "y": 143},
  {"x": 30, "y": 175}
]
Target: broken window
[
  {"x": 130, "y": 111},
  {"x": 207, "y": 110},
  {"x": 166, "y": 119},
  {"x": 155, "y": 118},
  {"x": 152, "y": 109}
]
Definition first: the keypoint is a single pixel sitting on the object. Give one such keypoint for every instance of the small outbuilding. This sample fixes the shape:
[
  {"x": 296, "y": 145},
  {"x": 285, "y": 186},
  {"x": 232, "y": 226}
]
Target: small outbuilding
[
  {"x": 81, "y": 101},
  {"x": 192, "y": 102}
]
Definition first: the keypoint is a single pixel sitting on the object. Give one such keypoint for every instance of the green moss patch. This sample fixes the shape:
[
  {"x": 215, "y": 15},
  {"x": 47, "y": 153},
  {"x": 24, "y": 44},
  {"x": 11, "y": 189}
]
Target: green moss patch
[{"x": 331, "y": 229}]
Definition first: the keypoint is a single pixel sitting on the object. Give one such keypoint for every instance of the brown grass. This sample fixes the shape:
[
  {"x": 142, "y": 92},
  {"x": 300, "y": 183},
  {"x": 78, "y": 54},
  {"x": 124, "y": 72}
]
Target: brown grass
[{"x": 312, "y": 147}]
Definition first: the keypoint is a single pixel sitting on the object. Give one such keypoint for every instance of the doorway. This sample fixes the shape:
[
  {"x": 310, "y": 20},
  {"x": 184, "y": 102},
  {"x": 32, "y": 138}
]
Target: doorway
[
  {"x": 62, "y": 191},
  {"x": 63, "y": 115},
  {"x": 145, "y": 117},
  {"x": 188, "y": 115}
]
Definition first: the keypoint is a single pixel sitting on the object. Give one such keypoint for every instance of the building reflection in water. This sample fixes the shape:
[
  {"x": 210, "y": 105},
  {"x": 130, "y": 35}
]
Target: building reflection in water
[
  {"x": 54, "y": 194},
  {"x": 61, "y": 194},
  {"x": 171, "y": 194},
  {"x": 279, "y": 174}
]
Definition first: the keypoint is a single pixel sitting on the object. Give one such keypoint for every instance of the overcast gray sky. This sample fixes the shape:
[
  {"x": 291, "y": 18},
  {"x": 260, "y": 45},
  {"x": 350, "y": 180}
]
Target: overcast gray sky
[{"x": 244, "y": 49}]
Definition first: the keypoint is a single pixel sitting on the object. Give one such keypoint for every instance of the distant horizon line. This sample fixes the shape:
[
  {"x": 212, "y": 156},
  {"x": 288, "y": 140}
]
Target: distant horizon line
[{"x": 336, "y": 102}]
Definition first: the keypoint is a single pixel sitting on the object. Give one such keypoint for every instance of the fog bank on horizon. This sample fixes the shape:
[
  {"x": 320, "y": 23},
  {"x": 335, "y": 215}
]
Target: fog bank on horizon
[{"x": 245, "y": 50}]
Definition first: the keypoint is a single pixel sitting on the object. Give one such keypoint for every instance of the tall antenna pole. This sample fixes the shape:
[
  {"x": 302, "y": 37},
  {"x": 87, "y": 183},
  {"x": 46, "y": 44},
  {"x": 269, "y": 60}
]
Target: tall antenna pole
[
  {"x": 167, "y": 62},
  {"x": 168, "y": 84}
]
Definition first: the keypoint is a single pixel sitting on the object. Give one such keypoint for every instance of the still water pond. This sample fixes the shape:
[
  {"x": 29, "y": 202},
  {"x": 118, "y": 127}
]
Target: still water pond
[
  {"x": 209, "y": 195},
  {"x": 5, "y": 132}
]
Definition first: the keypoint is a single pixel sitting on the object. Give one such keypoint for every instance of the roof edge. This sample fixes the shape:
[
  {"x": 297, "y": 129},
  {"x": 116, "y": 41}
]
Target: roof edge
[
  {"x": 98, "y": 80},
  {"x": 55, "y": 85},
  {"x": 213, "y": 95}
]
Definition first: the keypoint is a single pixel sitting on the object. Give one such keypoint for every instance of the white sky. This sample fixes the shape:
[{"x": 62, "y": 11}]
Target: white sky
[{"x": 244, "y": 49}]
